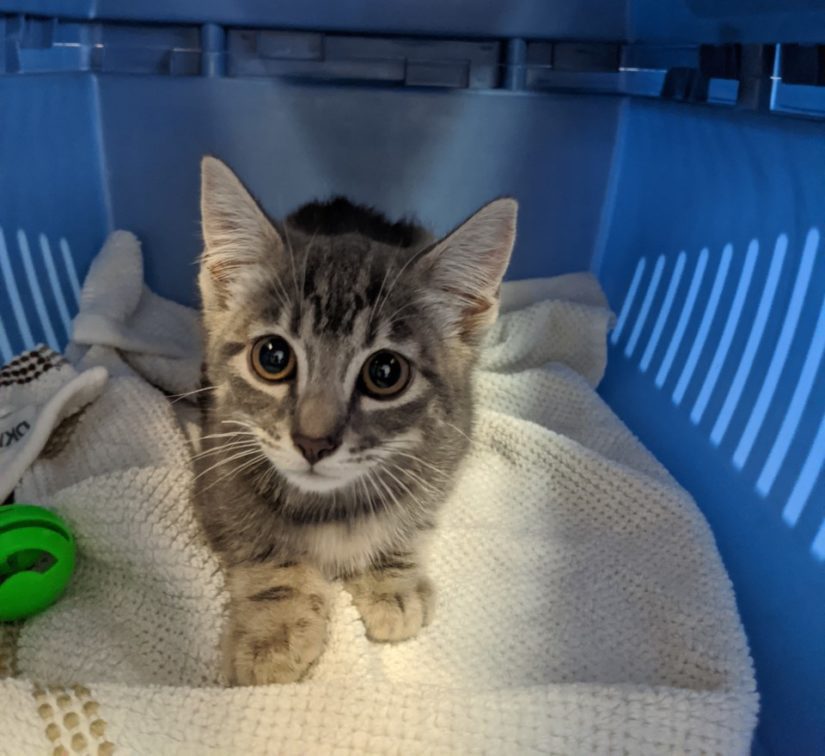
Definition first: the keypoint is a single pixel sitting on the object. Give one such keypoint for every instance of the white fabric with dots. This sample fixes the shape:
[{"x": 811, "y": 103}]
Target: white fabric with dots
[{"x": 583, "y": 607}]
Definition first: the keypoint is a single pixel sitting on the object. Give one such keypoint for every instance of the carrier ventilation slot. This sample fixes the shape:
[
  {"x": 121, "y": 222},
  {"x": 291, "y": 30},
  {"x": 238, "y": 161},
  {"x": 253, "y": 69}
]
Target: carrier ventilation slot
[
  {"x": 698, "y": 323},
  {"x": 39, "y": 292},
  {"x": 770, "y": 77}
]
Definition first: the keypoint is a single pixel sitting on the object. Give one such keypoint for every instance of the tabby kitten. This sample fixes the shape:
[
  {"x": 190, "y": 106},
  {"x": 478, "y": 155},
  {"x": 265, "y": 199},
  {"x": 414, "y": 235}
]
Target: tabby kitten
[{"x": 340, "y": 348}]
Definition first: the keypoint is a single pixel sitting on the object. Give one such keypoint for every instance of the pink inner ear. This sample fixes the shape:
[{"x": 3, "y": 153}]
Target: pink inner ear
[{"x": 473, "y": 310}]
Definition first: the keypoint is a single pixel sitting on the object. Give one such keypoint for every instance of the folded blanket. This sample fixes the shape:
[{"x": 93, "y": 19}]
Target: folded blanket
[{"x": 583, "y": 607}]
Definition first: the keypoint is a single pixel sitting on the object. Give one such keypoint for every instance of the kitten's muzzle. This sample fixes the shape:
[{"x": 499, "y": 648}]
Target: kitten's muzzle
[{"x": 315, "y": 449}]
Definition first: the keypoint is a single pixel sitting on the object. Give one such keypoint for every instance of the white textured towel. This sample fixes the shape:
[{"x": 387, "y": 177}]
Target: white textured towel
[{"x": 583, "y": 607}]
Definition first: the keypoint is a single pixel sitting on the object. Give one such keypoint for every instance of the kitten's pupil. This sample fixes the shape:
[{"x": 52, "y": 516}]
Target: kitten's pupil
[
  {"x": 275, "y": 355},
  {"x": 273, "y": 359},
  {"x": 386, "y": 373},
  {"x": 385, "y": 370}
]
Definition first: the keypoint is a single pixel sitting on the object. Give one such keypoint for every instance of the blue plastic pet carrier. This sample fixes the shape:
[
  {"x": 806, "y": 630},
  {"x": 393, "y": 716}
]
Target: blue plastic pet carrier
[{"x": 676, "y": 148}]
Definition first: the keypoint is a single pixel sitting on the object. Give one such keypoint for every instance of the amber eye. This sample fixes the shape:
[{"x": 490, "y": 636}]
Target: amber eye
[
  {"x": 272, "y": 358},
  {"x": 385, "y": 374}
]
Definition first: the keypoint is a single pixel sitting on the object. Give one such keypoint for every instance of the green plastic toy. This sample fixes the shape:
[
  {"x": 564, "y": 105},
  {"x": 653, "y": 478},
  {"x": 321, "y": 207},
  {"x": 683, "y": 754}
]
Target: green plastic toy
[{"x": 37, "y": 557}]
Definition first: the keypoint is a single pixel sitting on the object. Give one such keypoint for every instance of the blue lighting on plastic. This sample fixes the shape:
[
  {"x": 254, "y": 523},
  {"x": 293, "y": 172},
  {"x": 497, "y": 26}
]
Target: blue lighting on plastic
[
  {"x": 37, "y": 294},
  {"x": 644, "y": 311},
  {"x": 720, "y": 427},
  {"x": 684, "y": 319},
  {"x": 628, "y": 301},
  {"x": 704, "y": 326},
  {"x": 780, "y": 354},
  {"x": 68, "y": 260},
  {"x": 57, "y": 289},
  {"x": 653, "y": 342},
  {"x": 5, "y": 345},
  {"x": 776, "y": 76},
  {"x": 14, "y": 294},
  {"x": 801, "y": 394},
  {"x": 727, "y": 334},
  {"x": 818, "y": 546},
  {"x": 811, "y": 469}
]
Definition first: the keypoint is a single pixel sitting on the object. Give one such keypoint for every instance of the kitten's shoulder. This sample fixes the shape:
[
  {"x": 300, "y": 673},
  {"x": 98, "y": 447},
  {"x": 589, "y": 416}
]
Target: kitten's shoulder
[{"x": 339, "y": 215}]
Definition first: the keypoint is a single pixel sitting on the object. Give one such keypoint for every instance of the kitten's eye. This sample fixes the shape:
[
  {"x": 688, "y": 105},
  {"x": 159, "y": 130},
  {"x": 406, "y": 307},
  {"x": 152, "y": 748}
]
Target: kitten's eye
[
  {"x": 385, "y": 374},
  {"x": 272, "y": 358}
]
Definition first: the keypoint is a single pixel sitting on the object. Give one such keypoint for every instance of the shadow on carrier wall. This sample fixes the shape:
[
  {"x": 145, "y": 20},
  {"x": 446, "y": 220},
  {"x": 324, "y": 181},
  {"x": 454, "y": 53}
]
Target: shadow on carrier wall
[{"x": 441, "y": 155}]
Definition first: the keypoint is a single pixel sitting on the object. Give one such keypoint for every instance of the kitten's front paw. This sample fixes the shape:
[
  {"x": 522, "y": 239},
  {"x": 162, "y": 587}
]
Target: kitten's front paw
[
  {"x": 281, "y": 656},
  {"x": 278, "y": 622},
  {"x": 394, "y": 615}
]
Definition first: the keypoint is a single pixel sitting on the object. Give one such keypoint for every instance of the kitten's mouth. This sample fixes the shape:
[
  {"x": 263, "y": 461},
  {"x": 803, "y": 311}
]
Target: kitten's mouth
[
  {"x": 308, "y": 478},
  {"x": 307, "y": 472},
  {"x": 313, "y": 473}
]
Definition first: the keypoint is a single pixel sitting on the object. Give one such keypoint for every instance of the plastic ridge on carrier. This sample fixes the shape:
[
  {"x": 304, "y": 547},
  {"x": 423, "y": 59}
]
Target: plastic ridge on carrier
[{"x": 766, "y": 77}]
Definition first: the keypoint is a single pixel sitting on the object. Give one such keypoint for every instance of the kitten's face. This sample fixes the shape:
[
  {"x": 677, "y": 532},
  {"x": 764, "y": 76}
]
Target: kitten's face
[
  {"x": 333, "y": 380},
  {"x": 342, "y": 363}
]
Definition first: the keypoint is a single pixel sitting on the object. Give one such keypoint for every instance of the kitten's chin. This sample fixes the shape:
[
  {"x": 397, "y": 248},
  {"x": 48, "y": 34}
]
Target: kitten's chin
[{"x": 314, "y": 482}]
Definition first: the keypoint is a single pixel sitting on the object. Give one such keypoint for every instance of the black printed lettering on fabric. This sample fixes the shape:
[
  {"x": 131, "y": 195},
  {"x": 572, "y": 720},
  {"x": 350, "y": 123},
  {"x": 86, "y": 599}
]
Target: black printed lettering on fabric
[{"x": 9, "y": 436}]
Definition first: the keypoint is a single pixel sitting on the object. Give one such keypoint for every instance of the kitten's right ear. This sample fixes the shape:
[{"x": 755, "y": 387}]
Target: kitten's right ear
[{"x": 236, "y": 232}]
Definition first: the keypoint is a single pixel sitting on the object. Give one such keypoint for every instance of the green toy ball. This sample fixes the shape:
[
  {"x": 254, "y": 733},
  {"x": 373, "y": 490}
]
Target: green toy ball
[{"x": 37, "y": 556}]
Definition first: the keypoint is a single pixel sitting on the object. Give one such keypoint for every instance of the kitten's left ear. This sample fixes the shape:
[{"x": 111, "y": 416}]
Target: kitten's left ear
[{"x": 466, "y": 267}]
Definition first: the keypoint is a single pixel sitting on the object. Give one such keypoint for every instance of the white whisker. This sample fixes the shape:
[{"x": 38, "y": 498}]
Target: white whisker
[
  {"x": 294, "y": 273},
  {"x": 281, "y": 292},
  {"x": 255, "y": 460},
  {"x": 265, "y": 478},
  {"x": 223, "y": 448},
  {"x": 233, "y": 450},
  {"x": 416, "y": 458},
  {"x": 306, "y": 258},
  {"x": 392, "y": 319},
  {"x": 370, "y": 479},
  {"x": 231, "y": 434},
  {"x": 241, "y": 423},
  {"x": 177, "y": 397},
  {"x": 413, "y": 256},
  {"x": 361, "y": 486},
  {"x": 378, "y": 296},
  {"x": 239, "y": 455},
  {"x": 392, "y": 496},
  {"x": 456, "y": 428},
  {"x": 415, "y": 478},
  {"x": 401, "y": 483}
]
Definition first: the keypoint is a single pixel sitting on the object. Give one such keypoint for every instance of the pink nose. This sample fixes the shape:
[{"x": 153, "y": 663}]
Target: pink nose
[{"x": 315, "y": 449}]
